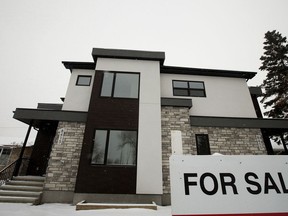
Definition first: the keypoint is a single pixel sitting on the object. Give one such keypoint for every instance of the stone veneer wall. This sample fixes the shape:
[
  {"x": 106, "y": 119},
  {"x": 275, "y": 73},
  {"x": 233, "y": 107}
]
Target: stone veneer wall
[
  {"x": 226, "y": 141},
  {"x": 64, "y": 158}
]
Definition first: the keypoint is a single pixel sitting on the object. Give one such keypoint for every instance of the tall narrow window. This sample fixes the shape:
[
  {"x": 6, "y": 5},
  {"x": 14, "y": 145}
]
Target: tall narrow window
[
  {"x": 120, "y": 85},
  {"x": 202, "y": 142},
  {"x": 114, "y": 147},
  {"x": 189, "y": 88}
]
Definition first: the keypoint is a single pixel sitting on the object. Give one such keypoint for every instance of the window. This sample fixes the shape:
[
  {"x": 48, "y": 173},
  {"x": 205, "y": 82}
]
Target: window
[
  {"x": 4, "y": 155},
  {"x": 120, "y": 85},
  {"x": 83, "y": 80},
  {"x": 114, "y": 147},
  {"x": 202, "y": 142},
  {"x": 189, "y": 88}
]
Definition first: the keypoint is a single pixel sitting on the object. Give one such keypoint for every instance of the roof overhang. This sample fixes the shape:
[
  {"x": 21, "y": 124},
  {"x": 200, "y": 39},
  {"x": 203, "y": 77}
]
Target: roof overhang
[
  {"x": 38, "y": 115},
  {"x": 207, "y": 72},
  {"x": 128, "y": 54},
  {"x": 261, "y": 123}
]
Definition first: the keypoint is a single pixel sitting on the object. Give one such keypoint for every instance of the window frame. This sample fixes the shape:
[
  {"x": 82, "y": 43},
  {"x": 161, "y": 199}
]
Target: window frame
[
  {"x": 208, "y": 150},
  {"x": 114, "y": 82},
  {"x": 188, "y": 89},
  {"x": 80, "y": 76},
  {"x": 106, "y": 148}
]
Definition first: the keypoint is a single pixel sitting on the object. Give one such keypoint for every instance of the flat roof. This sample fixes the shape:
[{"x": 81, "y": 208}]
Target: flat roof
[{"x": 155, "y": 56}]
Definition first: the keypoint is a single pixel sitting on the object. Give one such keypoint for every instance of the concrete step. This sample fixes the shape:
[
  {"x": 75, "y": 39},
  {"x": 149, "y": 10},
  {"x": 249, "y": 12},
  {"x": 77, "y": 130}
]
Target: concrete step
[
  {"x": 21, "y": 188},
  {"x": 25, "y": 183},
  {"x": 29, "y": 178},
  {"x": 19, "y": 193},
  {"x": 18, "y": 199}
]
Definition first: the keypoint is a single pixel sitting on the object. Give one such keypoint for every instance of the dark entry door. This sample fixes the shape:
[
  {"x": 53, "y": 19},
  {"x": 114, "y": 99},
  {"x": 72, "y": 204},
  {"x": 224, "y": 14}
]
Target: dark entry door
[{"x": 42, "y": 148}]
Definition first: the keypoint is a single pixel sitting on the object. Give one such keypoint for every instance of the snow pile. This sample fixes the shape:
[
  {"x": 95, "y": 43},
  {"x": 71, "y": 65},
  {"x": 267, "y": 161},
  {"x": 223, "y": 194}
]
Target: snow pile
[{"x": 12, "y": 209}]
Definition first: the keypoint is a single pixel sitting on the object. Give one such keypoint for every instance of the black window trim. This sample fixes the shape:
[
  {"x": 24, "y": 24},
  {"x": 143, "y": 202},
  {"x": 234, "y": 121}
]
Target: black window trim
[
  {"x": 113, "y": 85},
  {"x": 208, "y": 144},
  {"x": 188, "y": 88},
  {"x": 107, "y": 148},
  {"x": 79, "y": 76}
]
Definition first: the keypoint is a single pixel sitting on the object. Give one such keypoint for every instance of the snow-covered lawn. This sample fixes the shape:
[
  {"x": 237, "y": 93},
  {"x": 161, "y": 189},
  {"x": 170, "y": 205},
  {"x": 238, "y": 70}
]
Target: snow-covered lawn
[{"x": 10, "y": 209}]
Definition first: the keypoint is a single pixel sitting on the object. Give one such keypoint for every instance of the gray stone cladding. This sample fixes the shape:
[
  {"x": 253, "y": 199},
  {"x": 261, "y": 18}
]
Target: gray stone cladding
[
  {"x": 64, "y": 158},
  {"x": 226, "y": 141}
]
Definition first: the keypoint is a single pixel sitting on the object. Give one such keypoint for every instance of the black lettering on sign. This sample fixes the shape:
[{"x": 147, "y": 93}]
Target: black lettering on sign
[
  {"x": 258, "y": 189},
  {"x": 285, "y": 190},
  {"x": 202, "y": 184},
  {"x": 187, "y": 183},
  {"x": 230, "y": 183},
  {"x": 269, "y": 184}
]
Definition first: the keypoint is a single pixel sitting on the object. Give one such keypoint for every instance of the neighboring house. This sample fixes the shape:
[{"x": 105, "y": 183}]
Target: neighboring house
[
  {"x": 10, "y": 153},
  {"x": 125, "y": 113}
]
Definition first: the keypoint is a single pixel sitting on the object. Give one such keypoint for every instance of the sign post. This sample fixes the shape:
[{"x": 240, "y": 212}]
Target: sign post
[{"x": 229, "y": 185}]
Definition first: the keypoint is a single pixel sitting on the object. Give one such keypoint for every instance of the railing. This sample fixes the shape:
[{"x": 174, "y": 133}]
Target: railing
[{"x": 6, "y": 174}]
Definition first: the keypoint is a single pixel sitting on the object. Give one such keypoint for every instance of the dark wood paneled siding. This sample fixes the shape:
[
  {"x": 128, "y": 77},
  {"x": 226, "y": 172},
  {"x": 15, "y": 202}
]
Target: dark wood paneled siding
[{"x": 106, "y": 113}]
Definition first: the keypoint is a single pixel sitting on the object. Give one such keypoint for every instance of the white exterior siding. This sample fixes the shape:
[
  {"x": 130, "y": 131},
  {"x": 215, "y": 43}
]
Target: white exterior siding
[
  {"x": 149, "y": 158},
  {"x": 78, "y": 97},
  {"x": 225, "y": 97}
]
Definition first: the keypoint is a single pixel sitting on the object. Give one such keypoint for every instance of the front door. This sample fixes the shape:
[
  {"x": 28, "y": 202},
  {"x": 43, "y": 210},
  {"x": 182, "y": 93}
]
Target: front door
[{"x": 42, "y": 148}]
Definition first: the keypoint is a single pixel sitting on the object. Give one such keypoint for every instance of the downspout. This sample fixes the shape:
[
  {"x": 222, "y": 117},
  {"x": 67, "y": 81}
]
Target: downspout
[{"x": 19, "y": 161}]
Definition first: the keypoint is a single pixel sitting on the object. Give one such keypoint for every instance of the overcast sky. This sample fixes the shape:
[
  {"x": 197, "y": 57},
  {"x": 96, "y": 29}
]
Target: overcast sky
[{"x": 36, "y": 35}]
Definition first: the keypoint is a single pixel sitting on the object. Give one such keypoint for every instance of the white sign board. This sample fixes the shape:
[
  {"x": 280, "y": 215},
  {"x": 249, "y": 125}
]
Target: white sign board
[{"x": 229, "y": 185}]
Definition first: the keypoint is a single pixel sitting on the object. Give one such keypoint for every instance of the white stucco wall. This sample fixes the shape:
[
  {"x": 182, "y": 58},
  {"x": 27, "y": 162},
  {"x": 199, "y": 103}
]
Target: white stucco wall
[
  {"x": 78, "y": 97},
  {"x": 149, "y": 158},
  {"x": 225, "y": 97}
]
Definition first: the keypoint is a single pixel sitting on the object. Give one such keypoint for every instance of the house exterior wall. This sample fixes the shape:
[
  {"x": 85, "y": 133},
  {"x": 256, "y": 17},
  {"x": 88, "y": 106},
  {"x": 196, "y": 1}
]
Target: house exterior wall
[
  {"x": 149, "y": 158},
  {"x": 224, "y": 96},
  {"x": 78, "y": 97},
  {"x": 63, "y": 164},
  {"x": 226, "y": 141}
]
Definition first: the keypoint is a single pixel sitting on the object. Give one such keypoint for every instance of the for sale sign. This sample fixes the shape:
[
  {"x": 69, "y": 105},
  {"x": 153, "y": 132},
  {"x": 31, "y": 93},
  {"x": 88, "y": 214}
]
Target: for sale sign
[{"x": 229, "y": 185}]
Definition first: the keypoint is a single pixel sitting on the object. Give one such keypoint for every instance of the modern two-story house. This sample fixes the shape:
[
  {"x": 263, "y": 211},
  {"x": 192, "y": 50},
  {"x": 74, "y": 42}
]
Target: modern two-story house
[{"x": 125, "y": 113}]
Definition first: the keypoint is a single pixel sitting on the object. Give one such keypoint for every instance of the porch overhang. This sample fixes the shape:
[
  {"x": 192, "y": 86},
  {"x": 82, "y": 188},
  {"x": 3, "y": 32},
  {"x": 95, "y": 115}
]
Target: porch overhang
[
  {"x": 279, "y": 125},
  {"x": 39, "y": 115}
]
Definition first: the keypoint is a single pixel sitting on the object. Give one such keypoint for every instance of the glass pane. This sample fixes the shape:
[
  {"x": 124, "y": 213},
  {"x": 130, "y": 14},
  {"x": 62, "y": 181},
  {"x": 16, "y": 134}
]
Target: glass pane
[
  {"x": 122, "y": 148},
  {"x": 197, "y": 93},
  {"x": 126, "y": 85},
  {"x": 196, "y": 85},
  {"x": 180, "y": 84},
  {"x": 107, "y": 84},
  {"x": 84, "y": 80},
  {"x": 98, "y": 153},
  {"x": 203, "y": 147},
  {"x": 180, "y": 92}
]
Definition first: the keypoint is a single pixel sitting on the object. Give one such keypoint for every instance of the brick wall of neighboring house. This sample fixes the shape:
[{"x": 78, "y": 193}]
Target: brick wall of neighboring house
[
  {"x": 226, "y": 141},
  {"x": 64, "y": 158}
]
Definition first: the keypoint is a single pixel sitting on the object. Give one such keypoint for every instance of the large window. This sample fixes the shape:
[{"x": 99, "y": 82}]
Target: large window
[
  {"x": 202, "y": 142},
  {"x": 120, "y": 85},
  {"x": 4, "y": 155},
  {"x": 189, "y": 88},
  {"x": 114, "y": 147}
]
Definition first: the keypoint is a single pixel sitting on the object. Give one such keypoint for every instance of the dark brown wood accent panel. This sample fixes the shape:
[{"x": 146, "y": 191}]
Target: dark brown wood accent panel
[
  {"x": 106, "y": 113},
  {"x": 42, "y": 148}
]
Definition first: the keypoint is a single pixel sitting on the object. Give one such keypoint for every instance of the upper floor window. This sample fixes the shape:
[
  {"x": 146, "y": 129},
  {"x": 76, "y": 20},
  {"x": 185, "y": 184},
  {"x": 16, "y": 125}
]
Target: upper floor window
[
  {"x": 114, "y": 147},
  {"x": 83, "y": 80},
  {"x": 120, "y": 85},
  {"x": 189, "y": 88},
  {"x": 203, "y": 146}
]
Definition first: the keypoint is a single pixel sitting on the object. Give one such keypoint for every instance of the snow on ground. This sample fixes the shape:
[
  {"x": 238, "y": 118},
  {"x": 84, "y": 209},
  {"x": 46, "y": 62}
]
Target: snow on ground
[{"x": 12, "y": 209}]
